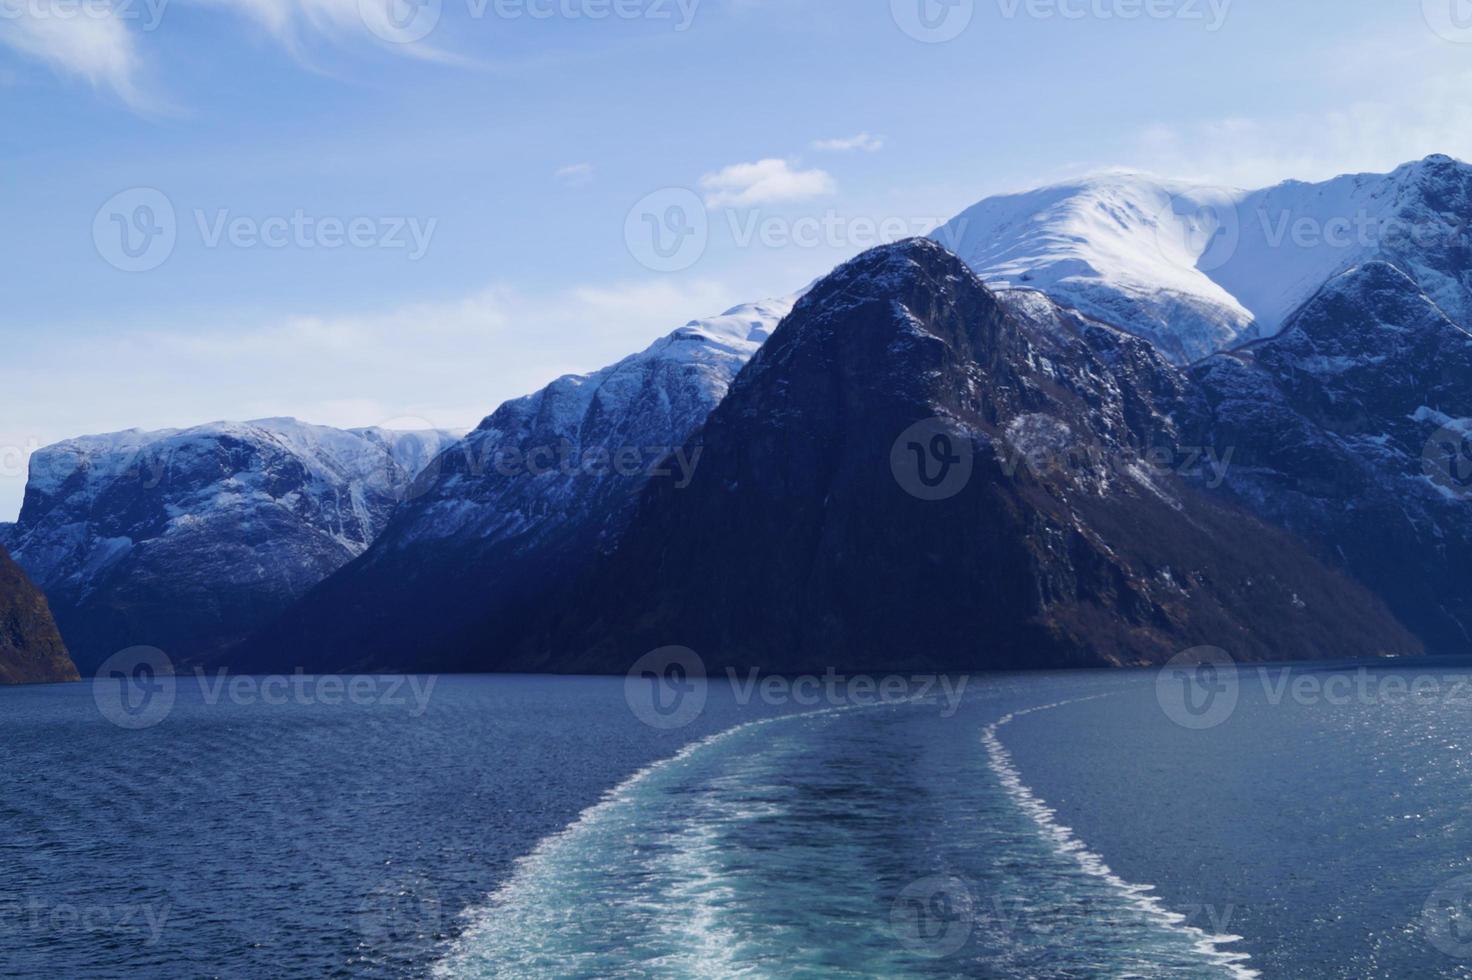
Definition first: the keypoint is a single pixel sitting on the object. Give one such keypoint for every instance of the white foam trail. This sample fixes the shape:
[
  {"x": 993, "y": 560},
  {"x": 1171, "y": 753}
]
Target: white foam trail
[
  {"x": 524, "y": 876},
  {"x": 1067, "y": 844}
]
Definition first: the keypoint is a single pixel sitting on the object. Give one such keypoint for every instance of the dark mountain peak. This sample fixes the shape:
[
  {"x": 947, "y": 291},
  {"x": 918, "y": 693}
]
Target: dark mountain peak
[
  {"x": 1351, "y": 307},
  {"x": 1374, "y": 323},
  {"x": 906, "y": 274},
  {"x": 1437, "y": 166},
  {"x": 890, "y": 267},
  {"x": 817, "y": 532},
  {"x": 911, "y": 311}
]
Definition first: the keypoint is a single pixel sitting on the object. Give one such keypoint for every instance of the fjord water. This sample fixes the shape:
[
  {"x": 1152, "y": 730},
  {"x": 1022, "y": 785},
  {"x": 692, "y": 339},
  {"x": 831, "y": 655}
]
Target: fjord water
[{"x": 1054, "y": 825}]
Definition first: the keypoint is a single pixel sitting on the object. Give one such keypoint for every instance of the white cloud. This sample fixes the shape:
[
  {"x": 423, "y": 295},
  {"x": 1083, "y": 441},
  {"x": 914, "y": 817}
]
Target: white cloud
[
  {"x": 764, "y": 182},
  {"x": 86, "y": 40},
  {"x": 848, "y": 144},
  {"x": 575, "y": 174}
]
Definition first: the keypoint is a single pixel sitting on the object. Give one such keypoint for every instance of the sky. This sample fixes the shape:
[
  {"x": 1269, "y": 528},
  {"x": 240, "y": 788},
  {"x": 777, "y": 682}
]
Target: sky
[{"x": 404, "y": 212}]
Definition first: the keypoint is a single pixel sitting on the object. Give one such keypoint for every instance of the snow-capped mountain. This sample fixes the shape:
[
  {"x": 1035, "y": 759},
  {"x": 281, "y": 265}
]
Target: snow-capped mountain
[
  {"x": 1353, "y": 428},
  {"x": 818, "y": 534},
  {"x": 191, "y": 539},
  {"x": 533, "y": 491},
  {"x": 1197, "y": 269},
  {"x": 188, "y": 539}
]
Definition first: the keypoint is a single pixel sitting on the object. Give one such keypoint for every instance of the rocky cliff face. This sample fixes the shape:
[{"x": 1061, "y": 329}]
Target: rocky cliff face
[
  {"x": 514, "y": 508},
  {"x": 911, "y": 474},
  {"x": 31, "y": 650},
  {"x": 189, "y": 539},
  {"x": 1353, "y": 428}
]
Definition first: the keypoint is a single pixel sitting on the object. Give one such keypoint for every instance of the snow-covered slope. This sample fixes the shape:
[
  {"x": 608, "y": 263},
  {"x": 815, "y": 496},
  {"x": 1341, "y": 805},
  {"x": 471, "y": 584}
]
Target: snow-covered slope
[
  {"x": 535, "y": 489},
  {"x": 1341, "y": 429},
  {"x": 1197, "y": 269},
  {"x": 187, "y": 538},
  {"x": 643, "y": 407}
]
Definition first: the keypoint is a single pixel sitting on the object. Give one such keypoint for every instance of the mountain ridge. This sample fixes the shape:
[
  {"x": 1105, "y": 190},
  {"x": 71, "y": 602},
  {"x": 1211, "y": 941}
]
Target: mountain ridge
[
  {"x": 1197, "y": 269},
  {"x": 486, "y": 534},
  {"x": 185, "y": 538}
]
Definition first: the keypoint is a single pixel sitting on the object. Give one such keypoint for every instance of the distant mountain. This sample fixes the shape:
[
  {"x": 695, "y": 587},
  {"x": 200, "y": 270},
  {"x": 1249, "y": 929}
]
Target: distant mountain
[
  {"x": 189, "y": 539},
  {"x": 31, "y": 650},
  {"x": 327, "y": 552},
  {"x": 1197, "y": 269},
  {"x": 1353, "y": 428},
  {"x": 819, "y": 530},
  {"x": 508, "y": 512}
]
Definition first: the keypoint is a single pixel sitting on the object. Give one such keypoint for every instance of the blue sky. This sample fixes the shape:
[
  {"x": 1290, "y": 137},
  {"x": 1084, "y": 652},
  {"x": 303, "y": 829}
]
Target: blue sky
[{"x": 370, "y": 226}]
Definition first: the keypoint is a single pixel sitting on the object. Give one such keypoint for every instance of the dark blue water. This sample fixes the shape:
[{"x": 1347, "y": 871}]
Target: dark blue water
[{"x": 1053, "y": 826}]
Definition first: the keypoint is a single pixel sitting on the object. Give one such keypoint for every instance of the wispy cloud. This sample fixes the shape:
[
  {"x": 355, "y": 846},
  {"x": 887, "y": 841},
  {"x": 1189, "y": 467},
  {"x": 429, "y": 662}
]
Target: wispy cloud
[
  {"x": 98, "y": 42},
  {"x": 848, "y": 144},
  {"x": 575, "y": 174},
  {"x": 293, "y": 22},
  {"x": 84, "y": 40},
  {"x": 764, "y": 182}
]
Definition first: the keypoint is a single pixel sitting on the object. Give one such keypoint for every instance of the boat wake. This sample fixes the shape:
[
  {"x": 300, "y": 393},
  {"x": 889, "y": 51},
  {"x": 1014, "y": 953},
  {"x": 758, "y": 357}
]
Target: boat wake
[
  {"x": 788, "y": 844},
  {"x": 1065, "y": 843}
]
